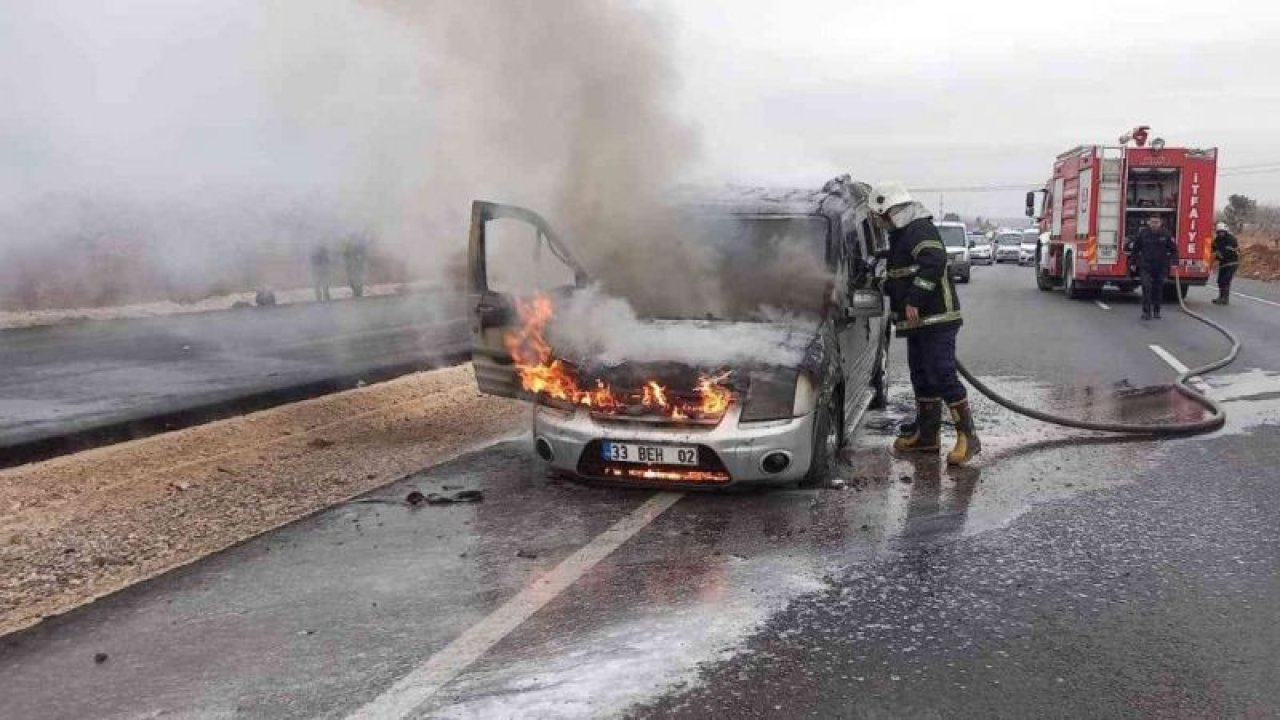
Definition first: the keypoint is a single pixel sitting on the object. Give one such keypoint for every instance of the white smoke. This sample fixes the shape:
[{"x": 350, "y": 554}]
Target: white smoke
[
  {"x": 179, "y": 143},
  {"x": 605, "y": 330}
]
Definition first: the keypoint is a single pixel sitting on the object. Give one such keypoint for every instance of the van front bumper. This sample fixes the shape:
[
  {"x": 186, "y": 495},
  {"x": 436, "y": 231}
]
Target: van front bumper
[{"x": 729, "y": 453}]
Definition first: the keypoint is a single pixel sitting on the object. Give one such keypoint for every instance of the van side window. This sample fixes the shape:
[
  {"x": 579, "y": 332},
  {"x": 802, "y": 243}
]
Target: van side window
[{"x": 860, "y": 265}]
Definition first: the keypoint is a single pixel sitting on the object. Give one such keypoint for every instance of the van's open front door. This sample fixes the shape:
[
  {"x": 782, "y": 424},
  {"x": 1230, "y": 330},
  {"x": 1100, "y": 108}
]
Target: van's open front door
[{"x": 513, "y": 253}]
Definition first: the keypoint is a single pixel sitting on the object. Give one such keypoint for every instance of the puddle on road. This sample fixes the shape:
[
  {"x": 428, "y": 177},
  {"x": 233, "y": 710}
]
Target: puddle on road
[{"x": 714, "y": 568}]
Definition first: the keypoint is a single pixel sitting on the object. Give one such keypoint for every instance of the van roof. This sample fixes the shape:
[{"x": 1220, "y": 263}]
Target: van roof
[{"x": 833, "y": 198}]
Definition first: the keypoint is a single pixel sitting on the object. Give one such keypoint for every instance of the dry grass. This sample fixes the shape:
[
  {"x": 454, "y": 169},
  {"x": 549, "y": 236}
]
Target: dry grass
[
  {"x": 1260, "y": 257},
  {"x": 75, "y": 528}
]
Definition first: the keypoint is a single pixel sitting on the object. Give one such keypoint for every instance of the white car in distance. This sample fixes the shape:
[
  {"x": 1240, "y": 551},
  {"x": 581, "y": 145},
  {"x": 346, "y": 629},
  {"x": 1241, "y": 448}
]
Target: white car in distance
[
  {"x": 1027, "y": 249},
  {"x": 1007, "y": 246},
  {"x": 979, "y": 248}
]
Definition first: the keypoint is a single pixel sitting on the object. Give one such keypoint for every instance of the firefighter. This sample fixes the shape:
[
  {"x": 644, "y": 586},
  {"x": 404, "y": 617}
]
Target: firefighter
[
  {"x": 1155, "y": 250},
  {"x": 927, "y": 313},
  {"x": 1226, "y": 253}
]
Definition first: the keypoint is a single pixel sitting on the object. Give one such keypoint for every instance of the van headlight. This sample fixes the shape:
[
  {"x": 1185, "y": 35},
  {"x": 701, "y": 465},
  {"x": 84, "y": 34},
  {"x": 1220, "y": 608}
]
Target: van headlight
[
  {"x": 771, "y": 395},
  {"x": 778, "y": 394}
]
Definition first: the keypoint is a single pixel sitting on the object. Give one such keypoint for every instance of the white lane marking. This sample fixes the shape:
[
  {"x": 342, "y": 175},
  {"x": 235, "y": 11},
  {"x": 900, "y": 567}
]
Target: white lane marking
[
  {"x": 1251, "y": 297},
  {"x": 1177, "y": 365},
  {"x": 411, "y": 691},
  {"x": 1102, "y": 305}
]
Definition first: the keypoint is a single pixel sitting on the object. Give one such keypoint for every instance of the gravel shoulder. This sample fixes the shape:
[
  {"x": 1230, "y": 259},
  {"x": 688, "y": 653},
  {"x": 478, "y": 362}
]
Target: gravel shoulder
[
  {"x": 81, "y": 526},
  {"x": 11, "y": 319}
]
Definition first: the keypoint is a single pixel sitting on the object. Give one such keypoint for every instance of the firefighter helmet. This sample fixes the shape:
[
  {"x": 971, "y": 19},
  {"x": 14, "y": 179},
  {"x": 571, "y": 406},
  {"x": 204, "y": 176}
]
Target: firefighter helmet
[
  {"x": 888, "y": 195},
  {"x": 1222, "y": 226}
]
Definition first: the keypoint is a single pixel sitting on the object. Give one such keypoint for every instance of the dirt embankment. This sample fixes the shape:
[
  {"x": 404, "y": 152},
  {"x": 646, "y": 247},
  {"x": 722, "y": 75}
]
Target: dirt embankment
[
  {"x": 78, "y": 527},
  {"x": 1260, "y": 258}
]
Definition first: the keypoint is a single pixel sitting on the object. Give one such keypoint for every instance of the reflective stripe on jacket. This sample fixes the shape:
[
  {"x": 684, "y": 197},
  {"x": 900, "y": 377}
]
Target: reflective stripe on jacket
[
  {"x": 917, "y": 276},
  {"x": 1226, "y": 249}
]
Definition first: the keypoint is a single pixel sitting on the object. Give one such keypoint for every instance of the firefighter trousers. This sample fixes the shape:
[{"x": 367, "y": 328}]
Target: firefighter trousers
[
  {"x": 1225, "y": 276},
  {"x": 931, "y": 356},
  {"x": 1152, "y": 290}
]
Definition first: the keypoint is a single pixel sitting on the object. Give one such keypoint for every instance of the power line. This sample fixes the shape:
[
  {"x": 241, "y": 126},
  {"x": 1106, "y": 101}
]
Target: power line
[
  {"x": 1274, "y": 163},
  {"x": 1251, "y": 171},
  {"x": 1267, "y": 168},
  {"x": 977, "y": 188}
]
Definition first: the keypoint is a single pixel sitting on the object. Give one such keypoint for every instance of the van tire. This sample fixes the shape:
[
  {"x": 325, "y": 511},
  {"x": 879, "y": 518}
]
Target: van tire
[
  {"x": 880, "y": 377},
  {"x": 826, "y": 426}
]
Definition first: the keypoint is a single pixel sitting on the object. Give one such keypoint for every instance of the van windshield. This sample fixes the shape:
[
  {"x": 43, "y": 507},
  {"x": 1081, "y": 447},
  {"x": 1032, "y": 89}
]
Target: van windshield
[
  {"x": 953, "y": 236},
  {"x": 745, "y": 268},
  {"x": 1008, "y": 239}
]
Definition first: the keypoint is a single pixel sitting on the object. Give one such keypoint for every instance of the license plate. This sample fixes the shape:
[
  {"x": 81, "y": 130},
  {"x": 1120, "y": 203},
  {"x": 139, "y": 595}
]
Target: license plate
[{"x": 649, "y": 454}]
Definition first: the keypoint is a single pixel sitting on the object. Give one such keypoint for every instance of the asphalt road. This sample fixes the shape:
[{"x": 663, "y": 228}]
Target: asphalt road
[
  {"x": 1064, "y": 575},
  {"x": 70, "y": 386}
]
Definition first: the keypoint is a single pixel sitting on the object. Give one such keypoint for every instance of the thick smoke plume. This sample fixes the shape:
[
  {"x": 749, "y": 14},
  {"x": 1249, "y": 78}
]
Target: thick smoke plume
[{"x": 172, "y": 148}]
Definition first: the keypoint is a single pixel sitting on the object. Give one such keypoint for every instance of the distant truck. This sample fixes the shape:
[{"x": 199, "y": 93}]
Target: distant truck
[{"x": 1100, "y": 196}]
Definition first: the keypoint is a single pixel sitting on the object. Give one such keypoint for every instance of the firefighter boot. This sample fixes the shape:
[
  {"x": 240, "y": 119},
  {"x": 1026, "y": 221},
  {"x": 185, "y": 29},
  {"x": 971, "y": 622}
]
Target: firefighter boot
[
  {"x": 928, "y": 426},
  {"x": 967, "y": 443},
  {"x": 908, "y": 429}
]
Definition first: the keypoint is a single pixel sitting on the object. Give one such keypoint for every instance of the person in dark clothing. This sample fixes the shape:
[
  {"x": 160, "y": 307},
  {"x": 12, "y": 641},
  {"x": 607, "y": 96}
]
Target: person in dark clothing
[
  {"x": 320, "y": 271},
  {"x": 926, "y": 312},
  {"x": 1155, "y": 250},
  {"x": 1226, "y": 253}
]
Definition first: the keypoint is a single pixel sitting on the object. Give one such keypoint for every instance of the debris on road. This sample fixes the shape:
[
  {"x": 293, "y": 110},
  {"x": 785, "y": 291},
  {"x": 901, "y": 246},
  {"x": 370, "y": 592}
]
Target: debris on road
[
  {"x": 100, "y": 658},
  {"x": 526, "y": 554},
  {"x": 415, "y": 498},
  {"x": 320, "y": 443},
  {"x": 461, "y": 496}
]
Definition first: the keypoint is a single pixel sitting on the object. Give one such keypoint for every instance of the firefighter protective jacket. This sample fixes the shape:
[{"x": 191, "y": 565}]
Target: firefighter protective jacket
[
  {"x": 1226, "y": 249},
  {"x": 917, "y": 276},
  {"x": 1155, "y": 250}
]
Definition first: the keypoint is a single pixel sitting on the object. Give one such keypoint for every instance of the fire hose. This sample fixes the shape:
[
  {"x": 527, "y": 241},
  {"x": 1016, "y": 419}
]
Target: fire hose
[{"x": 1217, "y": 416}]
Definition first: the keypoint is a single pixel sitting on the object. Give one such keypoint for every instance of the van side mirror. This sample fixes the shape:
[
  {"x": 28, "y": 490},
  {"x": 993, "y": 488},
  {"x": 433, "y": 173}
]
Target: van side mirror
[{"x": 1031, "y": 204}]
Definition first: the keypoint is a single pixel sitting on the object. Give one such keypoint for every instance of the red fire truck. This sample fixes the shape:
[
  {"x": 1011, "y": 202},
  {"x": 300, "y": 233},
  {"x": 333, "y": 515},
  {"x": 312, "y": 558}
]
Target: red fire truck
[{"x": 1100, "y": 196}]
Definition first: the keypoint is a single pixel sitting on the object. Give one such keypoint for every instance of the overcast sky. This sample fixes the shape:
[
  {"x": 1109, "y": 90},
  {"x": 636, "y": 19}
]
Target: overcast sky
[
  {"x": 167, "y": 95},
  {"x": 951, "y": 93}
]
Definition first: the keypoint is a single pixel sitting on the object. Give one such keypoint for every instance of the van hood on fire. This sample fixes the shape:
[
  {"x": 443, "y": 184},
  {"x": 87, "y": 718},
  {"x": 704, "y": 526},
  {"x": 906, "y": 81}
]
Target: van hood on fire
[{"x": 696, "y": 343}]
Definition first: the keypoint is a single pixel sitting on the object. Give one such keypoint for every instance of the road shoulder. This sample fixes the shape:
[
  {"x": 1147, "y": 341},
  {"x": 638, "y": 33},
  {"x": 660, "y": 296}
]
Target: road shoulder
[{"x": 82, "y": 526}]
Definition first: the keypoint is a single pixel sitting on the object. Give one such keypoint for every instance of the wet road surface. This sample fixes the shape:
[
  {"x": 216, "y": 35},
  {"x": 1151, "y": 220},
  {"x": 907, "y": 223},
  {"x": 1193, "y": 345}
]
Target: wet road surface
[
  {"x": 75, "y": 385},
  {"x": 1064, "y": 575}
]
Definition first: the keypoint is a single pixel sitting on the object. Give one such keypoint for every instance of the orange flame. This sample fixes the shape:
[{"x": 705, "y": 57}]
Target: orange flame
[
  {"x": 714, "y": 397},
  {"x": 655, "y": 396},
  {"x": 543, "y": 374},
  {"x": 688, "y": 476}
]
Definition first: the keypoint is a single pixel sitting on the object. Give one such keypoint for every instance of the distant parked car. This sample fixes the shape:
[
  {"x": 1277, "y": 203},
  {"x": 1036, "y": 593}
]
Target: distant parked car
[
  {"x": 1007, "y": 245},
  {"x": 956, "y": 238},
  {"x": 1027, "y": 249},
  {"x": 979, "y": 248}
]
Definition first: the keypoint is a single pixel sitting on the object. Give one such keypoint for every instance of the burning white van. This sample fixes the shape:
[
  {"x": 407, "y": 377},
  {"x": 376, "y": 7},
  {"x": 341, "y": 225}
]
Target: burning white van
[{"x": 762, "y": 386}]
